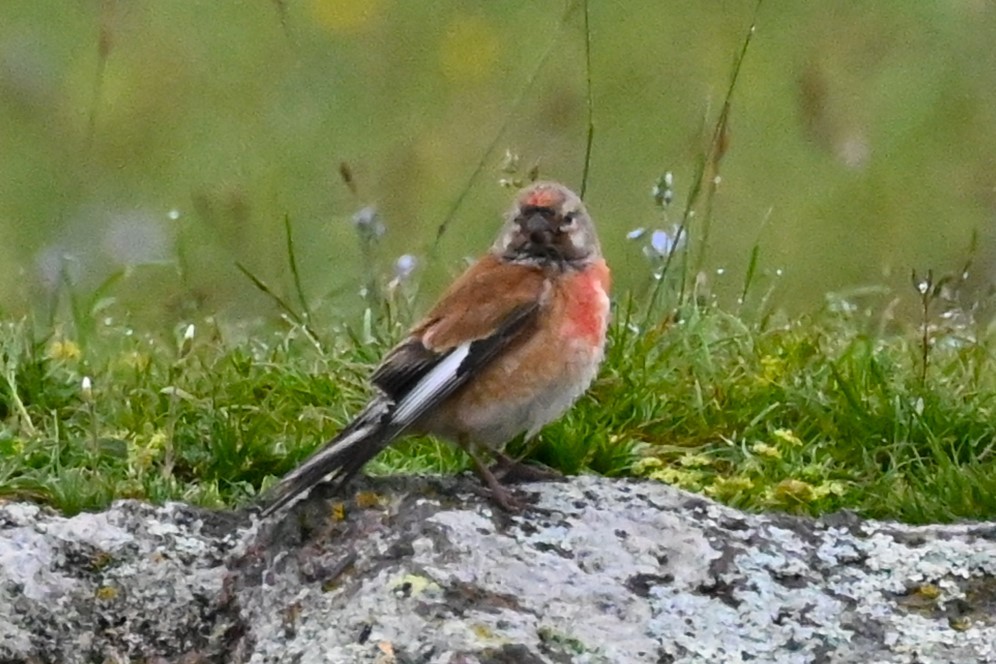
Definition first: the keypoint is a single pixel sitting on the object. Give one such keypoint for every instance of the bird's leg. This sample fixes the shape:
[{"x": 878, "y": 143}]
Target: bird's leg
[
  {"x": 514, "y": 470},
  {"x": 499, "y": 494}
]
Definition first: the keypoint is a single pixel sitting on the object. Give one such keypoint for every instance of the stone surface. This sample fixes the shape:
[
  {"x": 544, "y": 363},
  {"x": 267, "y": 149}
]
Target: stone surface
[{"x": 423, "y": 570}]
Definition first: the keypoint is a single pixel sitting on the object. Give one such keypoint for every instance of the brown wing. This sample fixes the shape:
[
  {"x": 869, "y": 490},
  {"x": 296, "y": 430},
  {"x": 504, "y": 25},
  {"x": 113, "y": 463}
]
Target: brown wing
[
  {"x": 490, "y": 305},
  {"x": 488, "y": 308}
]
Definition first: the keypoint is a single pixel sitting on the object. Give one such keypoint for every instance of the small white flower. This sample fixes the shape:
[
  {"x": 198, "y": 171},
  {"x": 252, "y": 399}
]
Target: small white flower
[
  {"x": 663, "y": 189},
  {"x": 187, "y": 340}
]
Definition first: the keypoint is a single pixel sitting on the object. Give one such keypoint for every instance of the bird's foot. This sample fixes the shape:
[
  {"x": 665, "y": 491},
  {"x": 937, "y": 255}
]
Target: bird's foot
[
  {"x": 507, "y": 500},
  {"x": 512, "y": 471},
  {"x": 501, "y": 496}
]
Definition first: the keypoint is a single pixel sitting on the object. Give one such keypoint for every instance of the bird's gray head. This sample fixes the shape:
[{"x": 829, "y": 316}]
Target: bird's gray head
[{"x": 548, "y": 223}]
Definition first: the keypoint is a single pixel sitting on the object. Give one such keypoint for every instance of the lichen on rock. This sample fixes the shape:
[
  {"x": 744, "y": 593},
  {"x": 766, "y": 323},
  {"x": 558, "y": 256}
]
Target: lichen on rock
[{"x": 598, "y": 570}]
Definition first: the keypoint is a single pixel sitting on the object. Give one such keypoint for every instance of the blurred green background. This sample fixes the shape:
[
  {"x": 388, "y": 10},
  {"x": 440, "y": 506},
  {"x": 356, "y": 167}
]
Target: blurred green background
[{"x": 165, "y": 140}]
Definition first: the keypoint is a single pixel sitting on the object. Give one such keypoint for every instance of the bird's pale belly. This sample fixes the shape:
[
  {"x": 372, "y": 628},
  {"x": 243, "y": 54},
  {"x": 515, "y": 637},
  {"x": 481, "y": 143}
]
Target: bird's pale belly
[{"x": 536, "y": 383}]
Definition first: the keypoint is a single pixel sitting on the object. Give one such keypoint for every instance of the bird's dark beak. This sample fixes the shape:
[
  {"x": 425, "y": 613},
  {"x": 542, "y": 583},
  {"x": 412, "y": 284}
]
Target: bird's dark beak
[{"x": 538, "y": 229}]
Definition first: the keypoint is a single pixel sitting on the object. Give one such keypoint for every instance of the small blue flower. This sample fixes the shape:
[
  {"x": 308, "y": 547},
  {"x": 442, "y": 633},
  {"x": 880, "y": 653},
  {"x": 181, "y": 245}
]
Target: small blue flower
[
  {"x": 661, "y": 242},
  {"x": 636, "y": 233},
  {"x": 368, "y": 223},
  {"x": 404, "y": 267}
]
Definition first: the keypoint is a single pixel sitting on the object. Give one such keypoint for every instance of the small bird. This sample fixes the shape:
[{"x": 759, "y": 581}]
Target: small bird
[{"x": 512, "y": 343}]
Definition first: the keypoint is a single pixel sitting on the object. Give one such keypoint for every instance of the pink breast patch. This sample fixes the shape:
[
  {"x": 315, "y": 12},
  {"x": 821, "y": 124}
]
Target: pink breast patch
[{"x": 587, "y": 305}]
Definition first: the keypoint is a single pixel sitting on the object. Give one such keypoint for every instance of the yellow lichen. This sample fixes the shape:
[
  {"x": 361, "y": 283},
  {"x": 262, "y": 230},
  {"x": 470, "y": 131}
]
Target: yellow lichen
[
  {"x": 763, "y": 449},
  {"x": 64, "y": 350}
]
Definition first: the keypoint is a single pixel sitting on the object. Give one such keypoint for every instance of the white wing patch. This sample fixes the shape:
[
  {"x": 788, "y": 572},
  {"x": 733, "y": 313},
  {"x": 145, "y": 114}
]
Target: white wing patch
[{"x": 425, "y": 392}]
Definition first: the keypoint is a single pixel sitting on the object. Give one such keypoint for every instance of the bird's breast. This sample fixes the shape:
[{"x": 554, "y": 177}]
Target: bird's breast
[
  {"x": 584, "y": 300},
  {"x": 537, "y": 379}
]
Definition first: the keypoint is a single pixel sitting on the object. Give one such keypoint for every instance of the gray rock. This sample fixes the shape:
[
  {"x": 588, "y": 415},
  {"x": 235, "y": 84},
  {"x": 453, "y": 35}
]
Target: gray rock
[{"x": 423, "y": 570}]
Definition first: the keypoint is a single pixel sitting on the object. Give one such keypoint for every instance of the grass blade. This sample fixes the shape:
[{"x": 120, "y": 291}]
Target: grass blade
[
  {"x": 489, "y": 150},
  {"x": 281, "y": 303},
  {"x": 589, "y": 104}
]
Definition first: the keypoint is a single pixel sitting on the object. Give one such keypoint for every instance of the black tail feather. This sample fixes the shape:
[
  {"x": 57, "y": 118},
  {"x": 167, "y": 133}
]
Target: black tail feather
[{"x": 340, "y": 459}]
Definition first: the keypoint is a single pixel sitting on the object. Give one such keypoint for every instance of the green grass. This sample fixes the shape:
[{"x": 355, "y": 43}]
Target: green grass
[
  {"x": 813, "y": 415},
  {"x": 807, "y": 415}
]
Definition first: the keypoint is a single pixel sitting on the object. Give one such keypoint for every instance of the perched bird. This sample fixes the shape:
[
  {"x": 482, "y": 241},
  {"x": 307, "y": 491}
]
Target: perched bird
[{"x": 512, "y": 343}]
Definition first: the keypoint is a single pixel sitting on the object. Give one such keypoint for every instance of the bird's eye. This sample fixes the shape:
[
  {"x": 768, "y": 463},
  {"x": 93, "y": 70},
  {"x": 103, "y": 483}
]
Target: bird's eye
[{"x": 569, "y": 221}]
